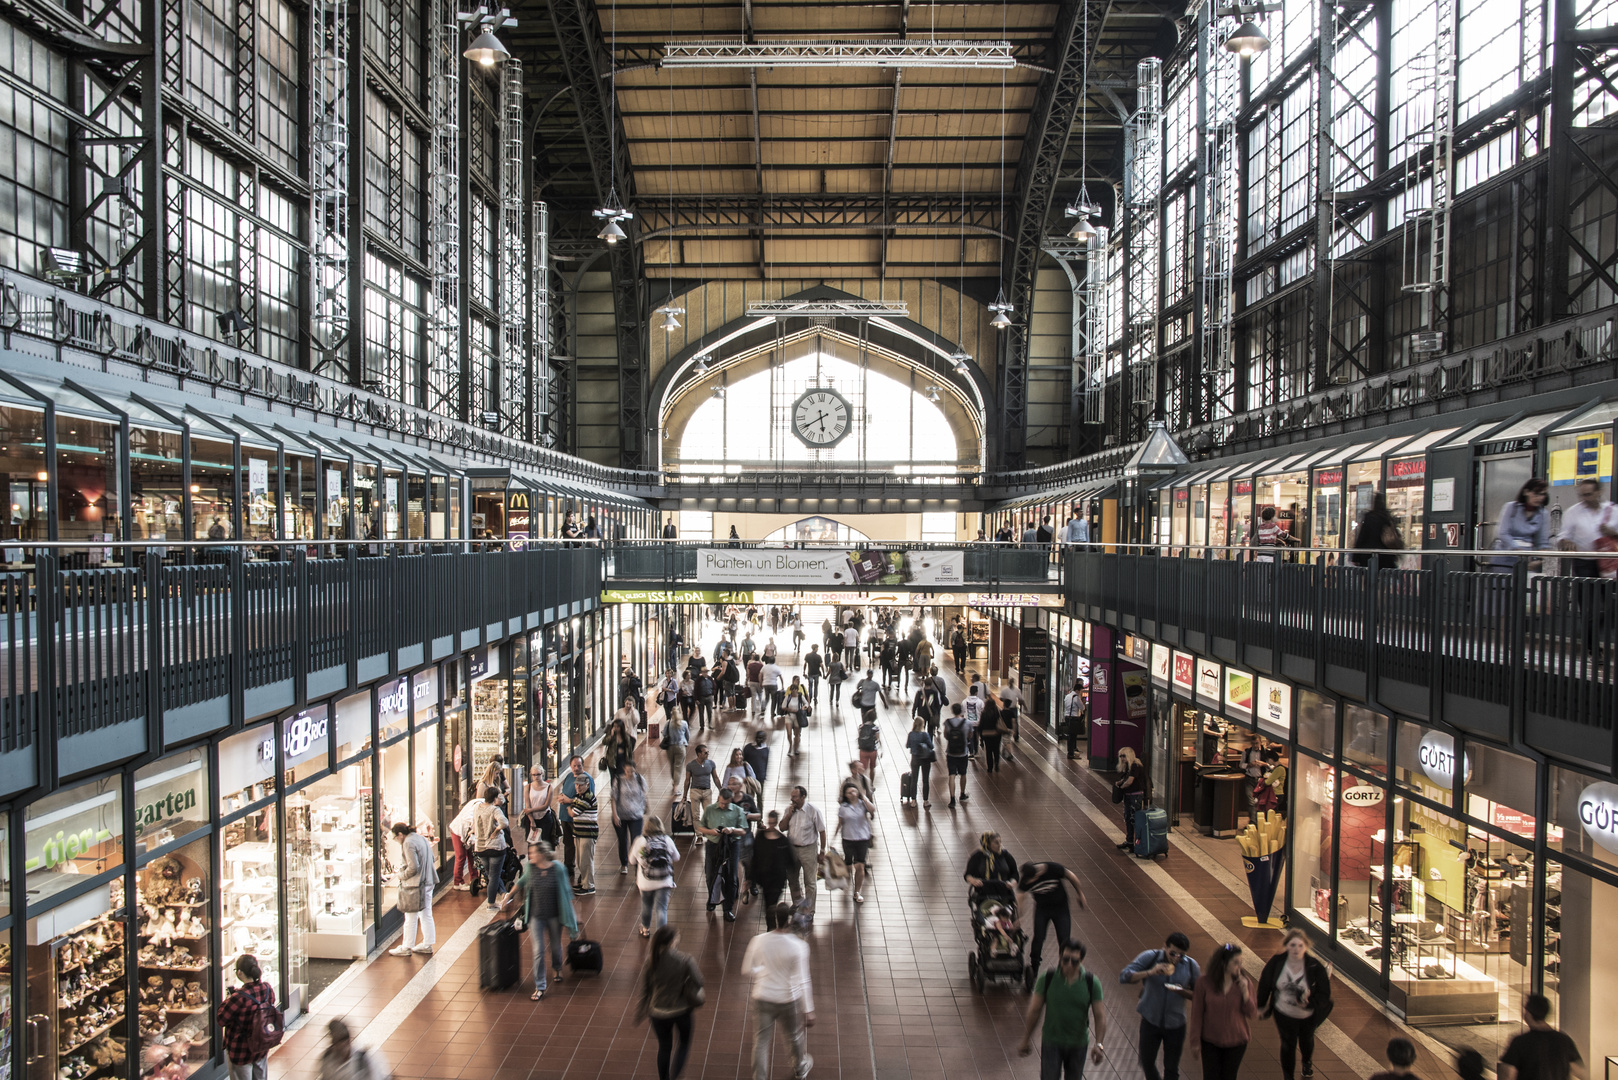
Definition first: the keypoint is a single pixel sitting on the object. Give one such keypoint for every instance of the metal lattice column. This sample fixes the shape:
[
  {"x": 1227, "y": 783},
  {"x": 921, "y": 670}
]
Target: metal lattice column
[
  {"x": 329, "y": 196},
  {"x": 445, "y": 394},
  {"x": 1221, "y": 81},
  {"x": 1143, "y": 184},
  {"x": 1432, "y": 76},
  {"x": 545, "y": 394},
  {"x": 516, "y": 379}
]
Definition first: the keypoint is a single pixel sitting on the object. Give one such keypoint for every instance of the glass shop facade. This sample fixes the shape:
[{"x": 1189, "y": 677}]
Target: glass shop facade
[{"x": 127, "y": 897}]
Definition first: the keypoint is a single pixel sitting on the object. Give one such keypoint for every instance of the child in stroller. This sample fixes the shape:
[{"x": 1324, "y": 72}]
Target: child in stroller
[{"x": 999, "y": 936}]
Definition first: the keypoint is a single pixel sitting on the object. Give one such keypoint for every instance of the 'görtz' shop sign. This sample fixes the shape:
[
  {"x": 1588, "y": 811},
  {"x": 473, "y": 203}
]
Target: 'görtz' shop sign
[{"x": 863, "y": 568}]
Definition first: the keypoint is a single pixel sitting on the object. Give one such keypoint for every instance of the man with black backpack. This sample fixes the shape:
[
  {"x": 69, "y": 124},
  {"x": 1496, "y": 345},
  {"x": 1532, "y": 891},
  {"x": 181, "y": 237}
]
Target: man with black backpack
[
  {"x": 707, "y": 686},
  {"x": 250, "y": 1022},
  {"x": 928, "y": 705},
  {"x": 955, "y": 751}
]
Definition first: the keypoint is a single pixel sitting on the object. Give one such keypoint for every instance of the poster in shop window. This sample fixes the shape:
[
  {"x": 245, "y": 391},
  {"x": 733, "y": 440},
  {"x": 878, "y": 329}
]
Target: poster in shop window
[{"x": 1135, "y": 703}]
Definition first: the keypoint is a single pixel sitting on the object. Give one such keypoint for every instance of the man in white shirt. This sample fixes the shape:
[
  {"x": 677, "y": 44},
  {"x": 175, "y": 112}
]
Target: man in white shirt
[
  {"x": 778, "y": 963},
  {"x": 1073, "y": 718},
  {"x": 772, "y": 688},
  {"x": 851, "y": 643},
  {"x": 1583, "y": 523},
  {"x": 806, "y": 832}
]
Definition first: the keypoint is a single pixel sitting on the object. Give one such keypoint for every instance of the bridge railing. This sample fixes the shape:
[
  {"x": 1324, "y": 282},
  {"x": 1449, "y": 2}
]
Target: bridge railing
[
  {"x": 1487, "y": 642},
  {"x": 983, "y": 566},
  {"x": 101, "y": 636}
]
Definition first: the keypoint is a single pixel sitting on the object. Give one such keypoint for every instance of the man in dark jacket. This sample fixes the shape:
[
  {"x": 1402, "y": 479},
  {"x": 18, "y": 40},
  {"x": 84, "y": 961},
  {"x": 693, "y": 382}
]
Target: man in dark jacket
[{"x": 757, "y": 754}]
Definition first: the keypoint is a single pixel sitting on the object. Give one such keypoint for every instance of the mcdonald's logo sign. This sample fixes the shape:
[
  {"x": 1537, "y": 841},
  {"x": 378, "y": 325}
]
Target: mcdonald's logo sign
[{"x": 517, "y": 500}]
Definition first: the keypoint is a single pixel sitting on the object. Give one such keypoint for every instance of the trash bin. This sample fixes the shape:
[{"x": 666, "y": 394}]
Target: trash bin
[{"x": 1229, "y": 802}]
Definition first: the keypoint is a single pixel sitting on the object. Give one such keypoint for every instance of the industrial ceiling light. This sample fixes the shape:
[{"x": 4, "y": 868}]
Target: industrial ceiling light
[
  {"x": 1002, "y": 311},
  {"x": 1082, "y": 230},
  {"x": 962, "y": 361},
  {"x": 233, "y": 322},
  {"x": 843, "y": 54},
  {"x": 670, "y": 323},
  {"x": 486, "y": 48},
  {"x": 65, "y": 264},
  {"x": 701, "y": 367},
  {"x": 610, "y": 215},
  {"x": 718, "y": 392},
  {"x": 932, "y": 394},
  {"x": 1248, "y": 40}
]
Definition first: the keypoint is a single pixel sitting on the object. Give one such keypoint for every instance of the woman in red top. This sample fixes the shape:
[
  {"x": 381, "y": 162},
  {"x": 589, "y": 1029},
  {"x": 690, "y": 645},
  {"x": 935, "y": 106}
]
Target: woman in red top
[{"x": 1216, "y": 1022}]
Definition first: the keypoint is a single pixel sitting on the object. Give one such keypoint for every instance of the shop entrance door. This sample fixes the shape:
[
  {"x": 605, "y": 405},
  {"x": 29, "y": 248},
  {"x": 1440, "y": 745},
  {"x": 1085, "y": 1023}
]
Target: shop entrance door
[{"x": 1499, "y": 479}]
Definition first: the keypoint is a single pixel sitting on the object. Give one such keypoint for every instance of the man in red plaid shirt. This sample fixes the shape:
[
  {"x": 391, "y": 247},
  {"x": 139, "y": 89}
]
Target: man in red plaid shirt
[{"x": 236, "y": 1020}]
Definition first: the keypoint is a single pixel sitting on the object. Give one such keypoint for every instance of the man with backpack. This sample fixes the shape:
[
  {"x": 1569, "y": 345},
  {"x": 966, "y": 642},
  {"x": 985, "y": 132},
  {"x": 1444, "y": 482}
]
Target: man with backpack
[
  {"x": 250, "y": 1022},
  {"x": 956, "y": 755},
  {"x": 1162, "y": 1009},
  {"x": 707, "y": 686},
  {"x": 869, "y": 737},
  {"x": 866, "y": 695},
  {"x": 1070, "y": 998}
]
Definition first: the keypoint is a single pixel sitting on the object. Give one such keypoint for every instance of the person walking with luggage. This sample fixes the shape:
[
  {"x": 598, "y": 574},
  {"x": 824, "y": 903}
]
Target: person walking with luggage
[
  {"x": 238, "y": 1021},
  {"x": 771, "y": 866},
  {"x": 723, "y": 824},
  {"x": 1130, "y": 790},
  {"x": 1295, "y": 988},
  {"x": 342, "y": 1060},
  {"x": 956, "y": 733},
  {"x": 489, "y": 827},
  {"x": 1541, "y": 1052},
  {"x": 923, "y": 752},
  {"x": 699, "y": 784},
  {"x": 1222, "y": 1008},
  {"x": 576, "y": 779},
  {"x": 653, "y": 854},
  {"x": 1047, "y": 883},
  {"x": 675, "y": 739},
  {"x": 628, "y": 811},
  {"x": 1070, "y": 1000},
  {"x": 418, "y": 877},
  {"x": 854, "y": 814},
  {"x": 806, "y": 830},
  {"x": 670, "y": 990},
  {"x": 778, "y": 964},
  {"x": 1166, "y": 978},
  {"x": 544, "y": 896}
]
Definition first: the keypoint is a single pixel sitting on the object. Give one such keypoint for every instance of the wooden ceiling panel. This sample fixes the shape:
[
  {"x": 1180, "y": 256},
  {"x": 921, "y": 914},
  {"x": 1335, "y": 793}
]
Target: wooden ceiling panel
[
  {"x": 851, "y": 181},
  {"x": 823, "y": 129},
  {"x": 827, "y": 152},
  {"x": 927, "y": 152},
  {"x": 650, "y": 157},
  {"x": 946, "y": 179}
]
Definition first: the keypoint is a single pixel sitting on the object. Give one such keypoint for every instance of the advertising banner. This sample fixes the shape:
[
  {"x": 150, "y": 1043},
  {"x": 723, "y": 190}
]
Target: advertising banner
[{"x": 830, "y": 568}]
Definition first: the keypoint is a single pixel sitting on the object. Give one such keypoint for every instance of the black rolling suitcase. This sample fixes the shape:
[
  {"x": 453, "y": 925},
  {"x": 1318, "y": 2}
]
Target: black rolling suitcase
[
  {"x": 499, "y": 956},
  {"x": 584, "y": 955},
  {"x": 907, "y": 786}
]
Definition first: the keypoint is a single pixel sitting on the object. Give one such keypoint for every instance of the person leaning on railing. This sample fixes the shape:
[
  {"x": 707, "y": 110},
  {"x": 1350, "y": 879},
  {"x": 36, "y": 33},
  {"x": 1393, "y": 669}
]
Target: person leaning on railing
[{"x": 1524, "y": 525}]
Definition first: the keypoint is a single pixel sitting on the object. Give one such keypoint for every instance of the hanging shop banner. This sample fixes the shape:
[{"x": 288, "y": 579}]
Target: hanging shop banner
[
  {"x": 1162, "y": 657},
  {"x": 1239, "y": 691},
  {"x": 677, "y": 596},
  {"x": 1184, "y": 674},
  {"x": 1274, "y": 707},
  {"x": 1002, "y": 600},
  {"x": 1208, "y": 683},
  {"x": 802, "y": 566}
]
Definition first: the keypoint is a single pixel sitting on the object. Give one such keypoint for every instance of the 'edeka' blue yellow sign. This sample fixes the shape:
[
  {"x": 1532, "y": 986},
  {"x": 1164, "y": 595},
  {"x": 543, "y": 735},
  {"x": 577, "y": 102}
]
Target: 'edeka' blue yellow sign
[{"x": 1589, "y": 458}]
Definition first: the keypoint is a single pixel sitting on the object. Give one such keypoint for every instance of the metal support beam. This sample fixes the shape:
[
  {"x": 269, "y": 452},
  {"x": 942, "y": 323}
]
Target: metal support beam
[
  {"x": 1320, "y": 337},
  {"x": 516, "y": 378},
  {"x": 1143, "y": 245},
  {"x": 1050, "y": 123},
  {"x": 578, "y": 29},
  {"x": 1554, "y": 277},
  {"x": 446, "y": 311}
]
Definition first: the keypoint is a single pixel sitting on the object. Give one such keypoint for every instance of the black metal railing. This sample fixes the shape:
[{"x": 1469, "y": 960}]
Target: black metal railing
[
  {"x": 90, "y": 648},
  {"x": 985, "y": 567},
  {"x": 1413, "y": 626}
]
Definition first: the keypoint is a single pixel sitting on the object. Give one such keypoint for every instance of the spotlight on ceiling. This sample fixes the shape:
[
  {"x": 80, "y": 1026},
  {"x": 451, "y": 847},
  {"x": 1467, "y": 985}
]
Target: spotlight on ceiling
[
  {"x": 1082, "y": 231},
  {"x": 233, "y": 322},
  {"x": 610, "y": 215},
  {"x": 1002, "y": 311},
  {"x": 1248, "y": 41},
  {"x": 701, "y": 367},
  {"x": 718, "y": 392},
  {"x": 670, "y": 323},
  {"x": 932, "y": 394},
  {"x": 962, "y": 361}
]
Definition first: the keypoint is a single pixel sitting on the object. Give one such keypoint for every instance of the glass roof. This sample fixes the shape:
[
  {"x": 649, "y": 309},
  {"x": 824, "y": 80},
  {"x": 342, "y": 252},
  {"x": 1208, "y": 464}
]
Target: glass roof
[{"x": 1600, "y": 416}]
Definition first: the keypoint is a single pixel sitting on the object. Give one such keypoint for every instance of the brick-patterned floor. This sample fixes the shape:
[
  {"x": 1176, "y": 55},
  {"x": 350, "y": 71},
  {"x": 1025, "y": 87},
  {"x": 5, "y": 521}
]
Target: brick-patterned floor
[{"x": 891, "y": 989}]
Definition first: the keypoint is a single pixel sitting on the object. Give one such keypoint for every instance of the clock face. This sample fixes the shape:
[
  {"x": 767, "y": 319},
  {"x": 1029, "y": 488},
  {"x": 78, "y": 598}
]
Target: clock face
[{"x": 821, "y": 418}]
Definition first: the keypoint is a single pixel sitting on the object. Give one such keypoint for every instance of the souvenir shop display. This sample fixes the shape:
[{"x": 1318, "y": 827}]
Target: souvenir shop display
[
  {"x": 172, "y": 907},
  {"x": 86, "y": 967}
]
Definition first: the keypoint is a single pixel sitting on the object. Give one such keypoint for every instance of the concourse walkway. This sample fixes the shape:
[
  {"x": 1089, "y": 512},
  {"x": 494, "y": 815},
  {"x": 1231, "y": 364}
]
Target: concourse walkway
[{"x": 890, "y": 977}]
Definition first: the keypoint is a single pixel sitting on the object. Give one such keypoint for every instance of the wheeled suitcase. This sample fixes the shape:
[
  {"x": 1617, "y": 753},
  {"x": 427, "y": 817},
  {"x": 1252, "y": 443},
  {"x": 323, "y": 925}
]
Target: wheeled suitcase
[
  {"x": 499, "y": 956},
  {"x": 907, "y": 786},
  {"x": 584, "y": 955},
  {"x": 681, "y": 822},
  {"x": 1151, "y": 832}
]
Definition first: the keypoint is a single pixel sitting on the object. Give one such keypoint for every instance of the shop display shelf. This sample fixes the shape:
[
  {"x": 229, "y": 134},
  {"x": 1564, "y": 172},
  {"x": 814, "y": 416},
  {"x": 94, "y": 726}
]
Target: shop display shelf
[
  {"x": 165, "y": 967},
  {"x": 90, "y": 1038}
]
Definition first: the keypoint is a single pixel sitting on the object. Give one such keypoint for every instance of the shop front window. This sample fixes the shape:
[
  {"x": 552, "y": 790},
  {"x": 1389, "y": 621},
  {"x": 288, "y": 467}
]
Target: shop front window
[
  {"x": 1181, "y": 511},
  {"x": 1199, "y": 515},
  {"x": 1219, "y": 514},
  {"x": 395, "y": 806},
  {"x": 1355, "y": 807},
  {"x": 247, "y": 769},
  {"x": 71, "y": 835},
  {"x": 1317, "y": 723},
  {"x": 5, "y": 872},
  {"x": 1365, "y": 737},
  {"x": 76, "y": 963},
  {"x": 156, "y": 484},
  {"x": 353, "y": 726},
  {"x": 1407, "y": 496},
  {"x": 171, "y": 799},
  {"x": 213, "y": 490},
  {"x": 337, "y": 498},
  {"x": 491, "y": 693},
  {"x": 1578, "y": 943},
  {"x": 300, "y": 496},
  {"x": 424, "y": 792},
  {"x": 249, "y": 896},
  {"x": 1287, "y": 493},
  {"x": 367, "y": 502},
  {"x": 89, "y": 504},
  {"x": 416, "y": 506},
  {"x": 174, "y": 901},
  {"x": 392, "y": 504},
  {"x": 1328, "y": 519},
  {"x": 1364, "y": 480},
  {"x": 454, "y": 532},
  {"x": 1425, "y": 762},
  {"x": 22, "y": 454},
  {"x": 1309, "y": 831},
  {"x": 258, "y": 484},
  {"x": 1241, "y": 511},
  {"x": 329, "y": 833},
  {"x": 1500, "y": 790}
]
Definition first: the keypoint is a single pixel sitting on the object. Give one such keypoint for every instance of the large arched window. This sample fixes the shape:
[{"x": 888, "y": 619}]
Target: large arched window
[
  {"x": 895, "y": 424},
  {"x": 817, "y": 530}
]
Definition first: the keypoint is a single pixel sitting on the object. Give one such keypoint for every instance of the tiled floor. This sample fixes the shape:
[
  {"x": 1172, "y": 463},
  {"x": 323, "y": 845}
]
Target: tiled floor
[{"x": 892, "y": 995}]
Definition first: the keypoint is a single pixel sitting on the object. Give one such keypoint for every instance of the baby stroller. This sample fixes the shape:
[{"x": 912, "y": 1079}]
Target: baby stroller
[{"x": 1000, "y": 940}]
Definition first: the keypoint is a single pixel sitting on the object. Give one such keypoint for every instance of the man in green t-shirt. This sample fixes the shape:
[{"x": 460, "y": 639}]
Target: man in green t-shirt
[
  {"x": 724, "y": 822},
  {"x": 1068, "y": 997}
]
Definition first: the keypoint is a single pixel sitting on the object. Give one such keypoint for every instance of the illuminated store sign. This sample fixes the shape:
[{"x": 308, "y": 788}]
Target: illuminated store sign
[
  {"x": 1598, "y": 813},
  {"x": 1436, "y": 755}
]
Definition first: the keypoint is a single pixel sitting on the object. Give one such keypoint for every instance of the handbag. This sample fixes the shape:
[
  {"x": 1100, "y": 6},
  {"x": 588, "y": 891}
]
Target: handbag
[{"x": 1606, "y": 543}]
